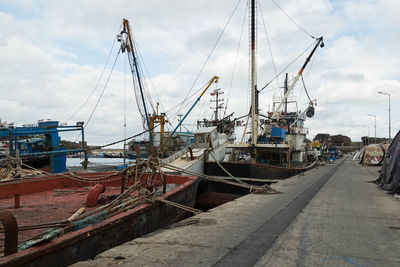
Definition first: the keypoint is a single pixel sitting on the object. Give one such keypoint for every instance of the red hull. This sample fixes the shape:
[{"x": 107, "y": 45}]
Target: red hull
[{"x": 42, "y": 200}]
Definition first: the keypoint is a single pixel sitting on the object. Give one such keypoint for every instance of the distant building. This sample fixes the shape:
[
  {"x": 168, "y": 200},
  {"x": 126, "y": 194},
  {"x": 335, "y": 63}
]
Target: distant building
[{"x": 367, "y": 140}]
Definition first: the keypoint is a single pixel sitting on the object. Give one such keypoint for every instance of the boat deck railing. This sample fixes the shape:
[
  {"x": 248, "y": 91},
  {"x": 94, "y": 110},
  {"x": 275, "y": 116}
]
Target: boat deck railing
[{"x": 176, "y": 155}]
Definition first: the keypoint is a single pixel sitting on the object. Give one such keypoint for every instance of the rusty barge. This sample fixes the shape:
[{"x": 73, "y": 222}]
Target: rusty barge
[{"x": 42, "y": 205}]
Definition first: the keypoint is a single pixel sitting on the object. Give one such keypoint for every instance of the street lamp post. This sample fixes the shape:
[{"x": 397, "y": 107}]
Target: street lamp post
[
  {"x": 383, "y": 93},
  {"x": 375, "y": 124}
]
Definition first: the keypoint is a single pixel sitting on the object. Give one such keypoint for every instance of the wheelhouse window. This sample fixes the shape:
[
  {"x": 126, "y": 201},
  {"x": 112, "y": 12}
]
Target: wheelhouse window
[{"x": 201, "y": 139}]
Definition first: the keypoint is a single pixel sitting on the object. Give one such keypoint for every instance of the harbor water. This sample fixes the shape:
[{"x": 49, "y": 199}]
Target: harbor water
[{"x": 76, "y": 162}]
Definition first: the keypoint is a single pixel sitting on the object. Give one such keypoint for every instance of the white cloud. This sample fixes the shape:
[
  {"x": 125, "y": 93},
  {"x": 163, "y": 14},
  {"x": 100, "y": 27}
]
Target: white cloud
[{"x": 52, "y": 55}]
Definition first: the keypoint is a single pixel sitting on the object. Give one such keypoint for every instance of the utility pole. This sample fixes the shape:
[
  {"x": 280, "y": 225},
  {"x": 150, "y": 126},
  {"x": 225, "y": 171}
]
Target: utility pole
[
  {"x": 383, "y": 93},
  {"x": 180, "y": 115},
  {"x": 375, "y": 124},
  {"x": 218, "y": 105}
]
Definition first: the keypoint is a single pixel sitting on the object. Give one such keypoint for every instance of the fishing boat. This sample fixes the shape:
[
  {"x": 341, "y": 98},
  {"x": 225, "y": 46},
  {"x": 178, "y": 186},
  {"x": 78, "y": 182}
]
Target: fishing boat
[
  {"x": 254, "y": 170},
  {"x": 137, "y": 149},
  {"x": 186, "y": 150},
  {"x": 30, "y": 145},
  {"x": 209, "y": 146},
  {"x": 59, "y": 219},
  {"x": 276, "y": 147}
]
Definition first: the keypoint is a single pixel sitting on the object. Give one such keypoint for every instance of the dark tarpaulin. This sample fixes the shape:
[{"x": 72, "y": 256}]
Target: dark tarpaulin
[{"x": 389, "y": 178}]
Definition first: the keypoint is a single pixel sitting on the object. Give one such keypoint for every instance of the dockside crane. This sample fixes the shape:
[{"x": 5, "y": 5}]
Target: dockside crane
[{"x": 213, "y": 80}]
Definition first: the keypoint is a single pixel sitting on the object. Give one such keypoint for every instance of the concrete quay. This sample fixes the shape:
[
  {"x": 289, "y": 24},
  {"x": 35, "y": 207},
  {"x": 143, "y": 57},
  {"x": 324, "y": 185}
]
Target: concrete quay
[{"x": 331, "y": 216}]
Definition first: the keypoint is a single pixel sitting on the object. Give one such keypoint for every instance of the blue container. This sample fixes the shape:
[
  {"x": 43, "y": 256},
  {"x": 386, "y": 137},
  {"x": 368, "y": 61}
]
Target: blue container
[{"x": 278, "y": 132}]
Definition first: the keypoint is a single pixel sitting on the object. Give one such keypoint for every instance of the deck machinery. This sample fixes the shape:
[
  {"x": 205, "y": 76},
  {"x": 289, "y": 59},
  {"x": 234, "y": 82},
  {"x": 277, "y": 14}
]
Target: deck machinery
[{"x": 50, "y": 130}]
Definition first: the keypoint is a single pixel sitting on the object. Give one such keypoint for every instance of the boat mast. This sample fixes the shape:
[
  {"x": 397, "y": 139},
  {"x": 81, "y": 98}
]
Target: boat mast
[
  {"x": 128, "y": 31},
  {"x": 254, "y": 111}
]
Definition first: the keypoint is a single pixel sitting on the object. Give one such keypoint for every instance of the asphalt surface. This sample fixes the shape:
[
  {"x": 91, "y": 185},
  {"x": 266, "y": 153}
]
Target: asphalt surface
[
  {"x": 331, "y": 216},
  {"x": 350, "y": 222},
  {"x": 254, "y": 246}
]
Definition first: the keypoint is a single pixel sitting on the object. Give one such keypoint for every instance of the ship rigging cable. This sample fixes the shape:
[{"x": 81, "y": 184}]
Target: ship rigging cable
[
  {"x": 309, "y": 68},
  {"x": 125, "y": 59},
  {"x": 123, "y": 140},
  {"x": 208, "y": 57},
  {"x": 236, "y": 57},
  {"x": 287, "y": 15},
  {"x": 294, "y": 60},
  {"x": 139, "y": 65},
  {"x": 192, "y": 96},
  {"x": 305, "y": 89},
  {"x": 101, "y": 95},
  {"x": 202, "y": 110},
  {"x": 104, "y": 88},
  {"x": 137, "y": 83},
  {"x": 95, "y": 87},
  {"x": 151, "y": 82},
  {"x": 145, "y": 85},
  {"x": 269, "y": 44}
]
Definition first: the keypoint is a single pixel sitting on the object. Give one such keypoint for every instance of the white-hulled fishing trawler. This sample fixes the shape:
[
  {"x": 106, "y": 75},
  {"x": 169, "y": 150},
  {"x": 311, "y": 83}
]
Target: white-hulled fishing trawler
[
  {"x": 177, "y": 149},
  {"x": 276, "y": 147}
]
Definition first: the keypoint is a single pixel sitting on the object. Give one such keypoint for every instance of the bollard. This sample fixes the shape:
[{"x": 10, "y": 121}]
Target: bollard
[
  {"x": 191, "y": 153},
  {"x": 94, "y": 193},
  {"x": 17, "y": 202},
  {"x": 11, "y": 232}
]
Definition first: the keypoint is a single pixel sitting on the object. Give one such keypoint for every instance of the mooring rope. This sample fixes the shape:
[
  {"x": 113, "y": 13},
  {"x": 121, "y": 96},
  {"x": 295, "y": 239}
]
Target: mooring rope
[
  {"x": 266, "y": 189},
  {"x": 144, "y": 175},
  {"x": 222, "y": 168},
  {"x": 176, "y": 205}
]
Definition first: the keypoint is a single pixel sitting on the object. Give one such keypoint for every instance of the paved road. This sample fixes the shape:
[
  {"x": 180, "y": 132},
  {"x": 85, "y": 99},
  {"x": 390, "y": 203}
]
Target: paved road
[
  {"x": 350, "y": 222},
  {"x": 332, "y": 216}
]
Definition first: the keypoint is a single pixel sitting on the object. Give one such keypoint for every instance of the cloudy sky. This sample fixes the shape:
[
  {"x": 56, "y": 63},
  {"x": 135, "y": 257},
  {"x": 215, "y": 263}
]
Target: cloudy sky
[{"x": 53, "y": 53}]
